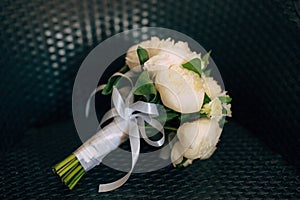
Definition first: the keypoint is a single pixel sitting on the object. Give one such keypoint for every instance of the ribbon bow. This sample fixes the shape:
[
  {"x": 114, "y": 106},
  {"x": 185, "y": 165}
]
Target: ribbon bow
[{"x": 131, "y": 117}]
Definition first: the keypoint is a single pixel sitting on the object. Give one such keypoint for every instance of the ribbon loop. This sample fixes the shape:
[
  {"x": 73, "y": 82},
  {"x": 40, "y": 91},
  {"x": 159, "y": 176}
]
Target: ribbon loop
[
  {"x": 134, "y": 116},
  {"x": 143, "y": 107},
  {"x": 129, "y": 118}
]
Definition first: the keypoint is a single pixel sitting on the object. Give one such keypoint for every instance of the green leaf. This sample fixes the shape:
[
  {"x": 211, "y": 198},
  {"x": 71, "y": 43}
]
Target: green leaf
[
  {"x": 150, "y": 131},
  {"x": 145, "y": 90},
  {"x": 222, "y": 122},
  {"x": 182, "y": 162},
  {"x": 124, "y": 69},
  {"x": 224, "y": 111},
  {"x": 203, "y": 115},
  {"x": 171, "y": 115},
  {"x": 144, "y": 86},
  {"x": 205, "y": 59},
  {"x": 193, "y": 65},
  {"x": 225, "y": 99},
  {"x": 112, "y": 81},
  {"x": 189, "y": 117},
  {"x": 109, "y": 86},
  {"x": 207, "y": 72},
  {"x": 142, "y": 54},
  {"x": 206, "y": 99},
  {"x": 168, "y": 116}
]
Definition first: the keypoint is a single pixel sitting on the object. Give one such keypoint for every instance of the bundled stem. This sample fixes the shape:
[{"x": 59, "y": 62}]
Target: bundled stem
[{"x": 69, "y": 170}]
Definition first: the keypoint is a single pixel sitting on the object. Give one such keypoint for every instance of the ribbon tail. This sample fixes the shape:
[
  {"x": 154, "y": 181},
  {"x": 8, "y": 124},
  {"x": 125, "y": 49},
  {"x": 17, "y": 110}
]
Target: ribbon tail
[
  {"x": 108, "y": 115},
  {"x": 118, "y": 102},
  {"x": 155, "y": 124},
  {"x": 124, "y": 76},
  {"x": 135, "y": 150},
  {"x": 88, "y": 103},
  {"x": 114, "y": 185}
]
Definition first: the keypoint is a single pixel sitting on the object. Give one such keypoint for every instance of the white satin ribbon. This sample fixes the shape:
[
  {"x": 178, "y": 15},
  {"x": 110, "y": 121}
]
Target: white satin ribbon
[
  {"x": 129, "y": 118},
  {"x": 135, "y": 115}
]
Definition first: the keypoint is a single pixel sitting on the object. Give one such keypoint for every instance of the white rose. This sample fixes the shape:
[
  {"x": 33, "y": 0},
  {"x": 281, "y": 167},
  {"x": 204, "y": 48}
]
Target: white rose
[
  {"x": 196, "y": 139},
  {"x": 180, "y": 89},
  {"x": 155, "y": 46}
]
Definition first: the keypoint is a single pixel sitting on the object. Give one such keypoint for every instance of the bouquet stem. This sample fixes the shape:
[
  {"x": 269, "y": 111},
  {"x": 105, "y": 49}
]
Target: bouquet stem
[{"x": 69, "y": 170}]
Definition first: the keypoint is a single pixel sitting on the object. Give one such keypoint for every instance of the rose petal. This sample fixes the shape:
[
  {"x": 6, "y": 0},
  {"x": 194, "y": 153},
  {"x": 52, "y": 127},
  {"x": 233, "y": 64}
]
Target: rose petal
[{"x": 176, "y": 154}]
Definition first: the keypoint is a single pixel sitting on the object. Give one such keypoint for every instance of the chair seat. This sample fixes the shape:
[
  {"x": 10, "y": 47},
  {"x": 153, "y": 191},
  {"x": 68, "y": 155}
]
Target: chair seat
[{"x": 242, "y": 167}]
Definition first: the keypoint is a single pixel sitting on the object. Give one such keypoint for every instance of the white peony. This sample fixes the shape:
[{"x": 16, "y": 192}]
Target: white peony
[
  {"x": 179, "y": 50},
  {"x": 151, "y": 46},
  {"x": 162, "y": 61},
  {"x": 211, "y": 87},
  {"x": 180, "y": 89},
  {"x": 196, "y": 139},
  {"x": 213, "y": 109}
]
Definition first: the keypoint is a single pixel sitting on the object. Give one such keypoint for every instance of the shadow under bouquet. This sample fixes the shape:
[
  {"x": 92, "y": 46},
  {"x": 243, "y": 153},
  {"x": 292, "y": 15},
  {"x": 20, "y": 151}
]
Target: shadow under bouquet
[{"x": 164, "y": 95}]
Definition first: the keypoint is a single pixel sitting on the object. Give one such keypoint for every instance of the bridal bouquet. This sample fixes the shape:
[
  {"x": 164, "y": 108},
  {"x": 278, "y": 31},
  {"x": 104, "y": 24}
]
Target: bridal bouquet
[{"x": 160, "y": 73}]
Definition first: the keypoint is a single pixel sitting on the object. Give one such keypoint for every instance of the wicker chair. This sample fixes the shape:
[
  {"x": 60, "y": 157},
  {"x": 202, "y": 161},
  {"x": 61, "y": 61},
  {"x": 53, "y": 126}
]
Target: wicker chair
[{"x": 256, "y": 45}]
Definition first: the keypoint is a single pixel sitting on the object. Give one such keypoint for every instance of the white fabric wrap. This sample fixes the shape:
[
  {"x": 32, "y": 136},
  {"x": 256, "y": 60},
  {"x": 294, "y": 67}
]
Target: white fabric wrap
[
  {"x": 129, "y": 118},
  {"x": 92, "y": 152}
]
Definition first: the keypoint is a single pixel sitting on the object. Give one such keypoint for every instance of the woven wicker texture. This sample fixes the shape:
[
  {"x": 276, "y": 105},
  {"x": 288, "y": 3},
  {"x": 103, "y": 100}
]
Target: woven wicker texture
[
  {"x": 254, "y": 43},
  {"x": 241, "y": 168}
]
